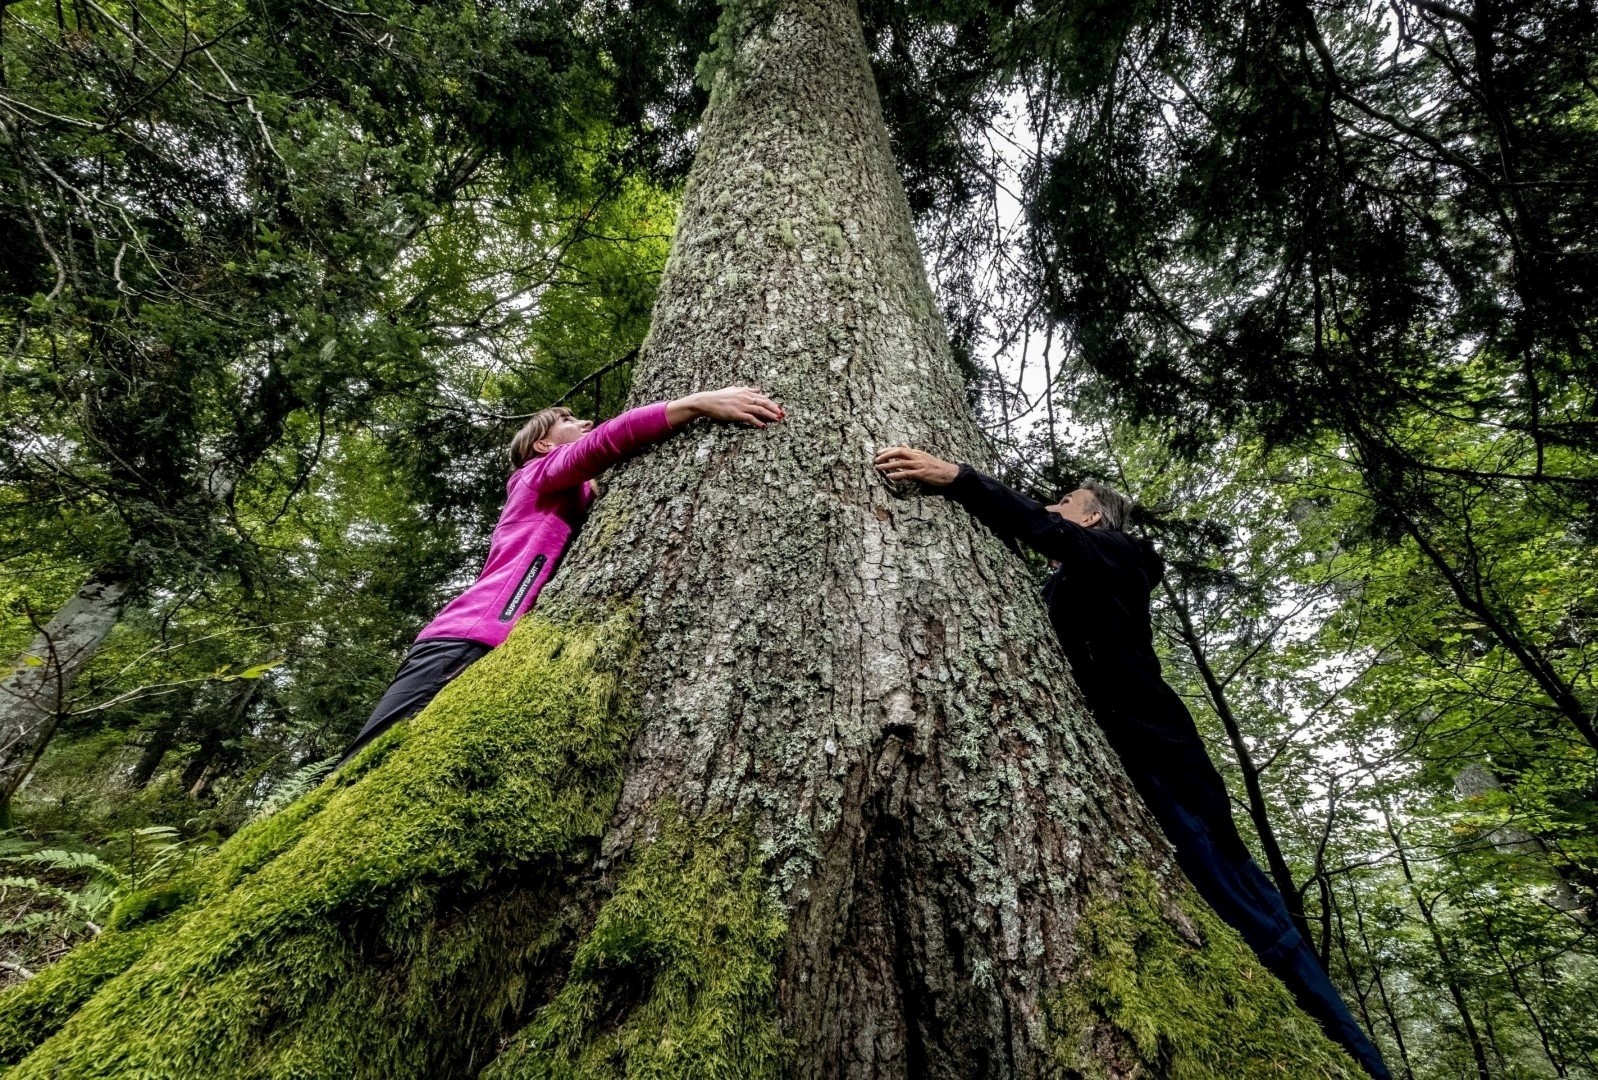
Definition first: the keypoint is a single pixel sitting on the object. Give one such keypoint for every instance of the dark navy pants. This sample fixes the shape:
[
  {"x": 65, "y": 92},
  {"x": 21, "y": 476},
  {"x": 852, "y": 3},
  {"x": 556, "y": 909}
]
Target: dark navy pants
[
  {"x": 1240, "y": 893},
  {"x": 428, "y": 667}
]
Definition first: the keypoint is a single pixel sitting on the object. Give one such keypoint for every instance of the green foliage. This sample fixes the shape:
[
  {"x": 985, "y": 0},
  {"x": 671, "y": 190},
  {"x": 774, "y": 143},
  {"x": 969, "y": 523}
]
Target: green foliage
[
  {"x": 294, "y": 787},
  {"x": 1186, "y": 992},
  {"x": 265, "y": 374},
  {"x": 277, "y": 282},
  {"x": 1299, "y": 217},
  {"x": 677, "y": 976},
  {"x": 58, "y": 896},
  {"x": 1428, "y": 800},
  {"x": 413, "y": 892}
]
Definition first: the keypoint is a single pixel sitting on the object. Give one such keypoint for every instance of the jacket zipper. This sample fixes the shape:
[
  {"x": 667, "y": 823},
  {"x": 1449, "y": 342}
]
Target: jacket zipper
[{"x": 521, "y": 590}]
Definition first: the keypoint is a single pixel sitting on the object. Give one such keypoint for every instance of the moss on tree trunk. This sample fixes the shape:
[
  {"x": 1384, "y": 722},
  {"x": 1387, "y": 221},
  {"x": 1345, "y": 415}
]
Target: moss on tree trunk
[
  {"x": 391, "y": 923},
  {"x": 786, "y": 776}
]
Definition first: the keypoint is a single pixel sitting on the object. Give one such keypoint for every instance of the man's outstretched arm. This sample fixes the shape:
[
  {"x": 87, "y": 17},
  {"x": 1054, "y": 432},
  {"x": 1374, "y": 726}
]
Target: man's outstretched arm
[{"x": 1010, "y": 514}]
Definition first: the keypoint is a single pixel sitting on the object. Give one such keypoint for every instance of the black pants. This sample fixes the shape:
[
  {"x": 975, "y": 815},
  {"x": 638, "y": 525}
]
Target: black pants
[
  {"x": 1240, "y": 893},
  {"x": 428, "y": 667}
]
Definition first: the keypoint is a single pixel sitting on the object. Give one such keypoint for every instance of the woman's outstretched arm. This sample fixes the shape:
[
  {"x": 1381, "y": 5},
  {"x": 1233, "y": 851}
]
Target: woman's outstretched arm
[{"x": 571, "y": 464}]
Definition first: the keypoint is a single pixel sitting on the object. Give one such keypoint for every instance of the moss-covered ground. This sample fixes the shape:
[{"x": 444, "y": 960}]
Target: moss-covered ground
[
  {"x": 386, "y": 925},
  {"x": 1184, "y": 1010}
]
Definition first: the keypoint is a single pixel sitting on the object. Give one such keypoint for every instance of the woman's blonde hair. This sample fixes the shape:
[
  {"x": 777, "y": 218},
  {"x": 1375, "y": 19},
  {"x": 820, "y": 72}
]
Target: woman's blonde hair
[{"x": 521, "y": 444}]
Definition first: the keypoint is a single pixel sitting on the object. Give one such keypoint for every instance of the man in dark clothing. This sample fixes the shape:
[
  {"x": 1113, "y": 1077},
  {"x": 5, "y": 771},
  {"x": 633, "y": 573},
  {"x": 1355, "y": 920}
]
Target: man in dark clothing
[{"x": 1098, "y": 601}]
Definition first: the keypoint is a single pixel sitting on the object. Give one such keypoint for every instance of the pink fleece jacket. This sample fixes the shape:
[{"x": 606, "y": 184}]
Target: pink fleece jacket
[{"x": 545, "y": 501}]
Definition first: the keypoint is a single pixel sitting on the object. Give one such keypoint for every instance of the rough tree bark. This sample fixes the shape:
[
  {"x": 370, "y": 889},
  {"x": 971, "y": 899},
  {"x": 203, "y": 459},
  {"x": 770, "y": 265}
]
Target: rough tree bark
[
  {"x": 31, "y": 696},
  {"x": 785, "y": 776}
]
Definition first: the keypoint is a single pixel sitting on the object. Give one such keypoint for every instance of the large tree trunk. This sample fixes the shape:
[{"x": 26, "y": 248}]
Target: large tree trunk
[
  {"x": 32, "y": 696},
  {"x": 786, "y": 776}
]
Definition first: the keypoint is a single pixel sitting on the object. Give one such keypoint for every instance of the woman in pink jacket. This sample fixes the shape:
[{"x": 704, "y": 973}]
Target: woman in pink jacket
[{"x": 554, "y": 460}]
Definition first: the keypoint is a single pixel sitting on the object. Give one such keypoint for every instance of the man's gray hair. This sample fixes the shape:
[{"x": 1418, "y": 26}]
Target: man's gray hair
[{"x": 1114, "y": 508}]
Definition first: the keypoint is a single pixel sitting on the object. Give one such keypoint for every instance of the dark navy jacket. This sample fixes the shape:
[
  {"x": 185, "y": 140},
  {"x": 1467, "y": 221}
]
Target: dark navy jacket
[{"x": 1098, "y": 601}]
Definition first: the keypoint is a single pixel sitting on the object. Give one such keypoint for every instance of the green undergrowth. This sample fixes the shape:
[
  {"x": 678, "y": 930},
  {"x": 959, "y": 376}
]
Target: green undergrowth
[
  {"x": 33, "y": 1011},
  {"x": 385, "y": 925},
  {"x": 676, "y": 978},
  {"x": 1184, "y": 1011}
]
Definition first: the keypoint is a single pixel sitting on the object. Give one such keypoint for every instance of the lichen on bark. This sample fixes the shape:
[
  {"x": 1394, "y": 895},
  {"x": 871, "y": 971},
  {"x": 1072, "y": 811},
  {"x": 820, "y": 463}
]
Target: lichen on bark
[{"x": 858, "y": 673}]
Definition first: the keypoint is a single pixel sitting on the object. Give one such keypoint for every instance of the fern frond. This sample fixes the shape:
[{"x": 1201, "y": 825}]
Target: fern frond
[{"x": 293, "y": 786}]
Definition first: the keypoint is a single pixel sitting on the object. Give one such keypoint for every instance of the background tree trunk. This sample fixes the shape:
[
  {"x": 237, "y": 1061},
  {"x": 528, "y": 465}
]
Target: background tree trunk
[
  {"x": 32, "y": 695},
  {"x": 786, "y": 776},
  {"x": 1448, "y": 968}
]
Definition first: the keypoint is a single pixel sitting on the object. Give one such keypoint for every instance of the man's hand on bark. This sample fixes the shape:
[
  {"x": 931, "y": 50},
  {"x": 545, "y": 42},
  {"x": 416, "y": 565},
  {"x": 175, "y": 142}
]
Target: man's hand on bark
[
  {"x": 904, "y": 463},
  {"x": 731, "y": 405}
]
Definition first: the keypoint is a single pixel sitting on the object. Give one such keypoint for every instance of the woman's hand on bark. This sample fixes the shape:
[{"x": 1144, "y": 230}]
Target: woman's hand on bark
[
  {"x": 905, "y": 463},
  {"x": 731, "y": 405}
]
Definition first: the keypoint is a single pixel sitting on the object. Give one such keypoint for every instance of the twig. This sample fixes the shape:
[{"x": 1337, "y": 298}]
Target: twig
[{"x": 630, "y": 354}]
